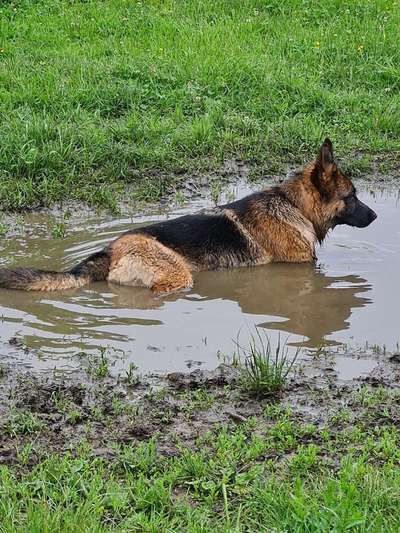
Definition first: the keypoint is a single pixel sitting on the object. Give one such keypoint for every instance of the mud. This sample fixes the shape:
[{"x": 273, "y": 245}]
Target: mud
[{"x": 62, "y": 412}]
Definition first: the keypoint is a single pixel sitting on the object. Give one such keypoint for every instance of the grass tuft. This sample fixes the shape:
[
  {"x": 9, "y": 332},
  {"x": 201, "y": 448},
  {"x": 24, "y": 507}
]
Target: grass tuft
[
  {"x": 22, "y": 423},
  {"x": 265, "y": 370}
]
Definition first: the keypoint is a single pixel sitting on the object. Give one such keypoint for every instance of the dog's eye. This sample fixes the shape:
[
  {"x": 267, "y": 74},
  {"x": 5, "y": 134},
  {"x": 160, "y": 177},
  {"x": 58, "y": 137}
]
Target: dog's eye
[{"x": 349, "y": 200}]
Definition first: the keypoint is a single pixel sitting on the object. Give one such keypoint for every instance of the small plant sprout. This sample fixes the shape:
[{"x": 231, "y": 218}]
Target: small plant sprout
[
  {"x": 215, "y": 191},
  {"x": 22, "y": 423},
  {"x": 74, "y": 416},
  {"x": 3, "y": 229},
  {"x": 130, "y": 375},
  {"x": 265, "y": 370},
  {"x": 179, "y": 198},
  {"x": 99, "y": 367},
  {"x": 58, "y": 230}
]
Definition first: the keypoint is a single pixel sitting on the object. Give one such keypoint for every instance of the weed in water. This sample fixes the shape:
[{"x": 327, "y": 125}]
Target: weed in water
[
  {"x": 232, "y": 360},
  {"x": 131, "y": 377},
  {"x": 264, "y": 372},
  {"x": 59, "y": 230},
  {"x": 215, "y": 190},
  {"x": 179, "y": 198},
  {"x": 99, "y": 367}
]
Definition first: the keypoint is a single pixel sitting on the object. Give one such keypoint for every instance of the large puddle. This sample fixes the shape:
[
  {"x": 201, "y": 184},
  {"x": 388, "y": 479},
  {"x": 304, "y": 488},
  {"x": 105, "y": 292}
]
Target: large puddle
[{"x": 348, "y": 303}]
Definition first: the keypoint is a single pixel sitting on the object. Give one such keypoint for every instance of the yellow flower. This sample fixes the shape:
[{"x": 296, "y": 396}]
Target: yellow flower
[
  {"x": 1, "y": 50},
  {"x": 360, "y": 48},
  {"x": 317, "y": 44}
]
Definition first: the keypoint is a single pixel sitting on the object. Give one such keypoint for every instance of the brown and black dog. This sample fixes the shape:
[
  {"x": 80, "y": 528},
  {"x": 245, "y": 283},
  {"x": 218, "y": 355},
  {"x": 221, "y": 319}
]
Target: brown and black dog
[{"x": 281, "y": 224}]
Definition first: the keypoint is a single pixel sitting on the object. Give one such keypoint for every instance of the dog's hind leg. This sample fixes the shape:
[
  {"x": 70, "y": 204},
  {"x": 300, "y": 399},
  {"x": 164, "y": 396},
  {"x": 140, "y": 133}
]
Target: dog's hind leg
[{"x": 140, "y": 260}]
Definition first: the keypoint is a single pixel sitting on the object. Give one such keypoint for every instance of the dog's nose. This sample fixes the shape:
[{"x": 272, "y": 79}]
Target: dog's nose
[{"x": 373, "y": 215}]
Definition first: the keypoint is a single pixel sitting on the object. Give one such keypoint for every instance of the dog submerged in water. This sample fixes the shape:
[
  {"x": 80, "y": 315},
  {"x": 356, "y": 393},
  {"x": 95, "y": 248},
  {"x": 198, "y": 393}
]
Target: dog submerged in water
[{"x": 280, "y": 224}]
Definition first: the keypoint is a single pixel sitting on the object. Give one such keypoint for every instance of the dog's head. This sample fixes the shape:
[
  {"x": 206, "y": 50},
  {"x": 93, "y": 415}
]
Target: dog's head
[{"x": 337, "y": 192}]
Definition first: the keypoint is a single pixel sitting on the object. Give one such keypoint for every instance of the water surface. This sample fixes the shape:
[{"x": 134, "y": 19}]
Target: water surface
[{"x": 347, "y": 302}]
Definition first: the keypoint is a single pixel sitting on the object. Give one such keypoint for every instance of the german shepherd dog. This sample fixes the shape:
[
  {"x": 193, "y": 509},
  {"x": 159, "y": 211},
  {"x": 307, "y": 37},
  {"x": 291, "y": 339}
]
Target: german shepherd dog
[{"x": 280, "y": 224}]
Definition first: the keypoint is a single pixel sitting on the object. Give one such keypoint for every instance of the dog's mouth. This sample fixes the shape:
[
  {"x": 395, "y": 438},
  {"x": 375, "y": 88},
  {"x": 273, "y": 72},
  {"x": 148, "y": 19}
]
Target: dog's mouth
[{"x": 358, "y": 215}]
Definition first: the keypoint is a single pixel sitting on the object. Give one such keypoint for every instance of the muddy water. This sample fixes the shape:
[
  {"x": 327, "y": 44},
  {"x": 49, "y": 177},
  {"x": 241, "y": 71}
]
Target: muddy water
[{"x": 348, "y": 303}]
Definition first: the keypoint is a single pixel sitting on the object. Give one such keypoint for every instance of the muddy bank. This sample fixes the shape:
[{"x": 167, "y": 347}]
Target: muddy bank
[
  {"x": 61, "y": 412},
  {"x": 157, "y": 189}
]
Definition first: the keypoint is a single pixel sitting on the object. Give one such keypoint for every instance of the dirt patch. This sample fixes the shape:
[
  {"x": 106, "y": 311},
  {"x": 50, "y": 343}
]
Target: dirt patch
[{"x": 58, "y": 413}]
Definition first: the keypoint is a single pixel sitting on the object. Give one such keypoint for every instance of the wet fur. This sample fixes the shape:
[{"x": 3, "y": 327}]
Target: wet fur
[{"x": 280, "y": 224}]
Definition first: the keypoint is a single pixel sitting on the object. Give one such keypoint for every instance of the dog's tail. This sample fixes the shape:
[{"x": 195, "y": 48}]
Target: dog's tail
[{"x": 94, "y": 268}]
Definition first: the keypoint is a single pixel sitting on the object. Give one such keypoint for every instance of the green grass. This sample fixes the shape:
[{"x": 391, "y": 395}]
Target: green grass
[
  {"x": 276, "y": 470},
  {"x": 99, "y": 94},
  {"x": 21, "y": 422},
  {"x": 264, "y": 370},
  {"x": 292, "y": 478}
]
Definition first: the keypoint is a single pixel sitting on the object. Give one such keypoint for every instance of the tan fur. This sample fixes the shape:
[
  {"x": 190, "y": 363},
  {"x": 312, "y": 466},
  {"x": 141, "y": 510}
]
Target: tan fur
[
  {"x": 287, "y": 243},
  {"x": 285, "y": 236},
  {"x": 50, "y": 284},
  {"x": 32, "y": 280},
  {"x": 142, "y": 261}
]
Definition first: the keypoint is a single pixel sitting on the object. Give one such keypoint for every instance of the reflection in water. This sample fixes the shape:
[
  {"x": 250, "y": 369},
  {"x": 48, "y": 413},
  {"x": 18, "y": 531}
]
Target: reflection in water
[
  {"x": 312, "y": 304},
  {"x": 308, "y": 302},
  {"x": 345, "y": 300}
]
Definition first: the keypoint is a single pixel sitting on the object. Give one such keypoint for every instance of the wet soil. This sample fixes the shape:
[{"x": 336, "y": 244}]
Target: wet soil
[{"x": 61, "y": 412}]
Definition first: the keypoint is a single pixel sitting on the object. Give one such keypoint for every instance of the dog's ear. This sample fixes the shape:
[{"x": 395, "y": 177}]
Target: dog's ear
[
  {"x": 324, "y": 172},
  {"x": 325, "y": 155}
]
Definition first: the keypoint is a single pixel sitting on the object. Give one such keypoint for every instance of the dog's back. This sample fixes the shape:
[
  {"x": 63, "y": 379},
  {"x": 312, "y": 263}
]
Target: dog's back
[{"x": 209, "y": 240}]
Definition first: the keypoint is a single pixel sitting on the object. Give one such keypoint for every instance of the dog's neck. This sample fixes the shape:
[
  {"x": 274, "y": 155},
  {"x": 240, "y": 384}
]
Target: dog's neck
[{"x": 301, "y": 192}]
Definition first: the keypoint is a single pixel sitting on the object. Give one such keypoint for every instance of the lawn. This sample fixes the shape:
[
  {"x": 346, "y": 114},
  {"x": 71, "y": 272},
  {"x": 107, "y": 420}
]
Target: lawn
[
  {"x": 96, "y": 95},
  {"x": 224, "y": 490}
]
